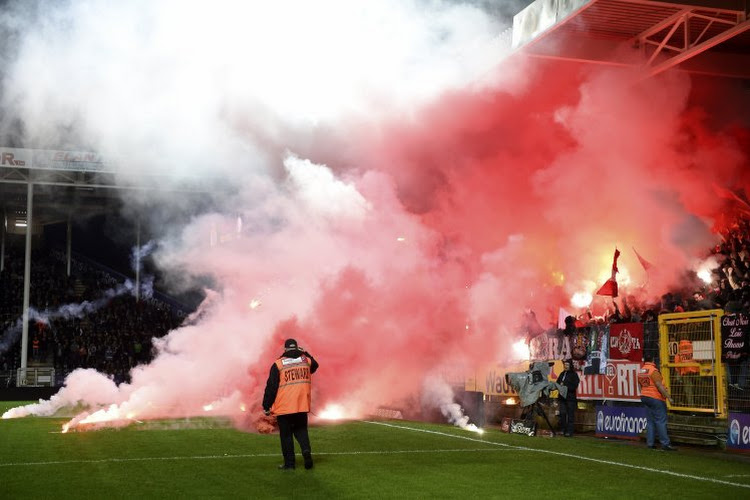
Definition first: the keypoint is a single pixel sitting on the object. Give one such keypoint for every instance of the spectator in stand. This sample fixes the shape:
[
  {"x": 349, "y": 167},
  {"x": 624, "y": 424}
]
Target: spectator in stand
[
  {"x": 653, "y": 397},
  {"x": 649, "y": 316},
  {"x": 701, "y": 302},
  {"x": 568, "y": 404}
]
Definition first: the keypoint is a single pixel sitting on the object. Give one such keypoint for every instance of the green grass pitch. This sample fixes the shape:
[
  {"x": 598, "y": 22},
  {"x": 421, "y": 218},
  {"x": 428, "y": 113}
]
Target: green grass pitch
[{"x": 204, "y": 458}]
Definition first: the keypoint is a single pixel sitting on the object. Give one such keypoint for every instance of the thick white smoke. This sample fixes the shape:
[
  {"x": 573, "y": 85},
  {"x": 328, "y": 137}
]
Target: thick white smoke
[
  {"x": 224, "y": 91},
  {"x": 402, "y": 196}
]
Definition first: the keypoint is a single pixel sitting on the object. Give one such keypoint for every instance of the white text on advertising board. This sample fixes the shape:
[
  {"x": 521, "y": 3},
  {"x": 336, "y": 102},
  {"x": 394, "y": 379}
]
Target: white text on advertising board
[
  {"x": 620, "y": 381},
  {"x": 619, "y": 423}
]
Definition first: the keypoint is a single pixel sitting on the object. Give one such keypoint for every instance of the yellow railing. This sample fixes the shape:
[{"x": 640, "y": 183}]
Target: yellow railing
[{"x": 690, "y": 353}]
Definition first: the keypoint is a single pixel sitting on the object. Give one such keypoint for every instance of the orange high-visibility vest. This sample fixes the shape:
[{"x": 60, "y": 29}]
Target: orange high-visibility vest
[
  {"x": 685, "y": 355},
  {"x": 295, "y": 384},
  {"x": 646, "y": 381}
]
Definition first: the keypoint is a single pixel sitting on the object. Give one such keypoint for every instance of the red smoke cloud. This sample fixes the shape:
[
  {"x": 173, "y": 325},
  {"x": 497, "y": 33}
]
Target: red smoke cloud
[
  {"x": 438, "y": 229},
  {"x": 526, "y": 194}
]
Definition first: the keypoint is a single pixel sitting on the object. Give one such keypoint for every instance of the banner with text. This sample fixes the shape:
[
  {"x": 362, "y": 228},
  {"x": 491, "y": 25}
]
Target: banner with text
[
  {"x": 52, "y": 159},
  {"x": 626, "y": 341},
  {"x": 624, "y": 422},
  {"x": 735, "y": 330},
  {"x": 619, "y": 383},
  {"x": 492, "y": 382}
]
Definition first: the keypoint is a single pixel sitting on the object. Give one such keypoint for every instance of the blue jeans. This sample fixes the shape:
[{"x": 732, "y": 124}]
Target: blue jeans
[{"x": 656, "y": 420}]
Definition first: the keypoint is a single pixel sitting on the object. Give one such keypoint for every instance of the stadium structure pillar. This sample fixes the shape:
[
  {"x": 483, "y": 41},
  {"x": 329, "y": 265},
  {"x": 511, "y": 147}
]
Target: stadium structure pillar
[
  {"x": 138, "y": 260},
  {"x": 2, "y": 242},
  {"x": 68, "y": 241},
  {"x": 27, "y": 277}
]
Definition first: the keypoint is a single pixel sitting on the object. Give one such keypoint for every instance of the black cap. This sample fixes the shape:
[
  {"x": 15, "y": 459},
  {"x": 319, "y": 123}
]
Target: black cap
[{"x": 290, "y": 344}]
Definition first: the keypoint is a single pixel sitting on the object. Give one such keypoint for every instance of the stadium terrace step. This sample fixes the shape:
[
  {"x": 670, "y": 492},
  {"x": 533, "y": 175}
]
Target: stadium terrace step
[{"x": 79, "y": 288}]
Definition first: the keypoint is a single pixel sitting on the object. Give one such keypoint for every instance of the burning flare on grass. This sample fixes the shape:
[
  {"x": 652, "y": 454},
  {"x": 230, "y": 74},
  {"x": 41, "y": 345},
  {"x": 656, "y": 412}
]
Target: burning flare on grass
[
  {"x": 333, "y": 412},
  {"x": 112, "y": 417}
]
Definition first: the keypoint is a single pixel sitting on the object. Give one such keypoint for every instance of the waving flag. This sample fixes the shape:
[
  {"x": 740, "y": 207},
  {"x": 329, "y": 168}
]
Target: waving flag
[
  {"x": 609, "y": 288},
  {"x": 646, "y": 264}
]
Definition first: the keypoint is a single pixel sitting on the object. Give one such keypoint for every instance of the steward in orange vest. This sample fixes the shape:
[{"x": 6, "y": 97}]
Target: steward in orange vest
[
  {"x": 287, "y": 396},
  {"x": 651, "y": 382},
  {"x": 685, "y": 355},
  {"x": 653, "y": 397}
]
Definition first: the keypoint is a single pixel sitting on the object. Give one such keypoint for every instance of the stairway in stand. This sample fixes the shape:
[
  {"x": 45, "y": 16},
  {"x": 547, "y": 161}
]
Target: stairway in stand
[{"x": 79, "y": 288}]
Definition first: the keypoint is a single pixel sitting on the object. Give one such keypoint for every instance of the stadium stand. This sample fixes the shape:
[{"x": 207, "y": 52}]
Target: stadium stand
[{"x": 112, "y": 335}]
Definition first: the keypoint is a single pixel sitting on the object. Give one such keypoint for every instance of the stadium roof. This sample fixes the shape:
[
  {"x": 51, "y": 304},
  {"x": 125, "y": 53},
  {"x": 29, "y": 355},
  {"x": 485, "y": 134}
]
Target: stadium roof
[
  {"x": 69, "y": 184},
  {"x": 702, "y": 36}
]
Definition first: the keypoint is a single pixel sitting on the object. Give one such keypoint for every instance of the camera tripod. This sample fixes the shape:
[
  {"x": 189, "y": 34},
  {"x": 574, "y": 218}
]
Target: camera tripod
[{"x": 534, "y": 409}]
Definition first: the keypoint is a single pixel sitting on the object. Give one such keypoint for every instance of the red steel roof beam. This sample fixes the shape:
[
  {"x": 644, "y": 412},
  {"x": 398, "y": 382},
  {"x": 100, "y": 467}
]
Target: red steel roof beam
[{"x": 697, "y": 49}]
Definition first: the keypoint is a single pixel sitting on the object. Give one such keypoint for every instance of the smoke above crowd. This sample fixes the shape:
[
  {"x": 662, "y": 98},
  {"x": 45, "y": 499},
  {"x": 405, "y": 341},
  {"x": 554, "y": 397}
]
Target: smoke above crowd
[{"x": 397, "y": 188}]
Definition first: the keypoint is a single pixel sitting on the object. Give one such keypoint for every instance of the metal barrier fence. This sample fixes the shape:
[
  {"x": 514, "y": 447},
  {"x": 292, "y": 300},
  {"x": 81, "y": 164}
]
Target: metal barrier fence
[
  {"x": 690, "y": 352},
  {"x": 35, "y": 377}
]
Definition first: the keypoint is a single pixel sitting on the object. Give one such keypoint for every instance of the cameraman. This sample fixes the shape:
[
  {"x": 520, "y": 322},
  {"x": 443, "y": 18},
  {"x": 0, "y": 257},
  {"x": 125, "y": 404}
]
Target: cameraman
[{"x": 568, "y": 378}]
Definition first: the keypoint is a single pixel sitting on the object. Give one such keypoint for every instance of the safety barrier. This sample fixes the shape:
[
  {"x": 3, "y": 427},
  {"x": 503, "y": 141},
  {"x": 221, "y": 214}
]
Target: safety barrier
[
  {"x": 35, "y": 377},
  {"x": 690, "y": 352}
]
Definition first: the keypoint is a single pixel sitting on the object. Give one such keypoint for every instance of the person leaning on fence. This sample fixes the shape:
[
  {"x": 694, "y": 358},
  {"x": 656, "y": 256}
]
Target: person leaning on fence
[
  {"x": 569, "y": 378},
  {"x": 287, "y": 396},
  {"x": 653, "y": 397}
]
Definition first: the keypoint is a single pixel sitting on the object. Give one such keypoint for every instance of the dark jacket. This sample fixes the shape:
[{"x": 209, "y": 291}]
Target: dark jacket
[
  {"x": 272, "y": 384},
  {"x": 569, "y": 378}
]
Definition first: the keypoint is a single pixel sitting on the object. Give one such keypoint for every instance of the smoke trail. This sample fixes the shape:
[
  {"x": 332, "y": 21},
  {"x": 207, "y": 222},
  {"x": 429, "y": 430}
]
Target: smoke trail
[
  {"x": 438, "y": 394},
  {"x": 70, "y": 311},
  {"x": 138, "y": 254}
]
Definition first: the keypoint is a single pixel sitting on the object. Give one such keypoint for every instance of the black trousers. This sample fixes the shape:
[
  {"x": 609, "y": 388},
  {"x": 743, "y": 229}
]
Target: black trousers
[
  {"x": 293, "y": 425},
  {"x": 567, "y": 414}
]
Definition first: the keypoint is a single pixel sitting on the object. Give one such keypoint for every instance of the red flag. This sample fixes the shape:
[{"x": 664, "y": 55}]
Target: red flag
[
  {"x": 728, "y": 194},
  {"x": 626, "y": 341},
  {"x": 646, "y": 264},
  {"x": 609, "y": 288}
]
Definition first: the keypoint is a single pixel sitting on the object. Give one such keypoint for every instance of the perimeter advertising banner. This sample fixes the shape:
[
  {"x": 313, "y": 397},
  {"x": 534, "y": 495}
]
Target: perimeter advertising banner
[
  {"x": 618, "y": 383},
  {"x": 739, "y": 432},
  {"x": 491, "y": 381},
  {"x": 622, "y": 422},
  {"x": 51, "y": 159}
]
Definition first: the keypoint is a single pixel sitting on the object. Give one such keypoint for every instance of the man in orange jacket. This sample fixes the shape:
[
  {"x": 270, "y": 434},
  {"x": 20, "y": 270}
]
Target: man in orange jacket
[
  {"x": 287, "y": 396},
  {"x": 654, "y": 396}
]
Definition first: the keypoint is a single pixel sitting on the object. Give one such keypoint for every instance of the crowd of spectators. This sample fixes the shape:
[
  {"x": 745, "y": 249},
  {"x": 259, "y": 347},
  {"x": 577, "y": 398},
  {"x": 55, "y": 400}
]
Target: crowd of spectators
[
  {"x": 723, "y": 284},
  {"x": 111, "y": 335},
  {"x": 727, "y": 287},
  {"x": 117, "y": 336}
]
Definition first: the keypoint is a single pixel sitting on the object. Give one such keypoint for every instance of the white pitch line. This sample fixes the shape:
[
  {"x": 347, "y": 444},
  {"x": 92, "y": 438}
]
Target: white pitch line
[
  {"x": 570, "y": 455},
  {"x": 247, "y": 455}
]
